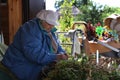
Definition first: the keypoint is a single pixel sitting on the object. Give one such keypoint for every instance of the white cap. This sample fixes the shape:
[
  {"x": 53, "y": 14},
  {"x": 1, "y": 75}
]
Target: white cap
[{"x": 49, "y": 16}]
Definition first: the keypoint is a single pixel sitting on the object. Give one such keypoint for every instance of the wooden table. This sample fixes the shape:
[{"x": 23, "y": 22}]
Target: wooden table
[{"x": 92, "y": 47}]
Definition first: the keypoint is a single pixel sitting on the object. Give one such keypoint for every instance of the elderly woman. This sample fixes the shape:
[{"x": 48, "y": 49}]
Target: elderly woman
[{"x": 34, "y": 47}]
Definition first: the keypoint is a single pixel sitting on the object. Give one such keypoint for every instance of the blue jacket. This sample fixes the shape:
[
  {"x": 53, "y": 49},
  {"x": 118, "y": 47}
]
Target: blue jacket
[{"x": 30, "y": 51}]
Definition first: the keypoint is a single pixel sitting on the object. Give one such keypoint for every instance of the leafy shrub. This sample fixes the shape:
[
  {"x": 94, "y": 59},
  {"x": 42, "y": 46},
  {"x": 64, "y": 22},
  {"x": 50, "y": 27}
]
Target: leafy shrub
[{"x": 81, "y": 69}]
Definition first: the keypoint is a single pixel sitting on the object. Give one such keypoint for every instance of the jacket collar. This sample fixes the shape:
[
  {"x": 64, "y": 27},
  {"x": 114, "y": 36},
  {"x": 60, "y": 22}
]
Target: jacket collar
[{"x": 54, "y": 29}]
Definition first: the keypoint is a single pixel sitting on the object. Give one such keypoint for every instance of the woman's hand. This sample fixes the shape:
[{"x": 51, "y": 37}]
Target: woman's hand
[{"x": 62, "y": 57}]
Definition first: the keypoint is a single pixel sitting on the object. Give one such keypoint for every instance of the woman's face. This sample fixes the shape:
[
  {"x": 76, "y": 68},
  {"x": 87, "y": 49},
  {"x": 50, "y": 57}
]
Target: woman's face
[{"x": 47, "y": 26}]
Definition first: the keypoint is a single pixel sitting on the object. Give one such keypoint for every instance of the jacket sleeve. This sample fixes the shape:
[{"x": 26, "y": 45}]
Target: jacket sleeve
[{"x": 33, "y": 45}]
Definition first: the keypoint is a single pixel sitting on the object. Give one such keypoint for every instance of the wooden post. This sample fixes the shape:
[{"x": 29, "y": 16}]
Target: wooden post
[{"x": 15, "y": 17}]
